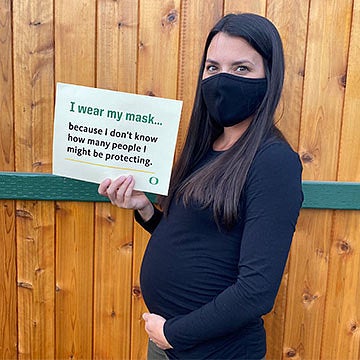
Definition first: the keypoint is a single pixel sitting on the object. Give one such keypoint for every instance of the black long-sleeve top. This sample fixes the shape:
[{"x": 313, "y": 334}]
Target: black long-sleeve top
[{"x": 213, "y": 286}]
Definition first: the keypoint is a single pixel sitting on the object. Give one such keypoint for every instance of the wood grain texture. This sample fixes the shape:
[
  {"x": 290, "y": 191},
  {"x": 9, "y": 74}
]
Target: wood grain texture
[
  {"x": 306, "y": 294},
  {"x": 117, "y": 45},
  {"x": 8, "y": 294},
  {"x": 112, "y": 282},
  {"x": 6, "y": 89},
  {"x": 75, "y": 33},
  {"x": 250, "y": 6},
  {"x": 350, "y": 139},
  {"x": 159, "y": 23},
  {"x": 33, "y": 99},
  {"x": 341, "y": 324},
  {"x": 139, "y": 338},
  {"x": 193, "y": 33},
  {"x": 294, "y": 37},
  {"x": 274, "y": 321},
  {"x": 35, "y": 280},
  {"x": 74, "y": 280},
  {"x": 323, "y": 99},
  {"x": 33, "y": 84},
  {"x": 342, "y": 312},
  {"x": 116, "y": 70},
  {"x": 322, "y": 108}
]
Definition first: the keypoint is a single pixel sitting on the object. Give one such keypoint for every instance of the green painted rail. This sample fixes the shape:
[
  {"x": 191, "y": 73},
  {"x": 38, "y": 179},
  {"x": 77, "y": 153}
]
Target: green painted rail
[{"x": 39, "y": 186}]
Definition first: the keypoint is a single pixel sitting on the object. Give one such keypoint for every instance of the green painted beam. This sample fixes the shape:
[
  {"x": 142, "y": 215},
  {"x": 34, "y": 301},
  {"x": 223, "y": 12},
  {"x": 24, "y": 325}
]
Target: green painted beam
[
  {"x": 39, "y": 186},
  {"x": 331, "y": 195}
]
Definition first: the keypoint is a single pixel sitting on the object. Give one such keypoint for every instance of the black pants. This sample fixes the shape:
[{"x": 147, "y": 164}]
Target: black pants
[{"x": 155, "y": 353}]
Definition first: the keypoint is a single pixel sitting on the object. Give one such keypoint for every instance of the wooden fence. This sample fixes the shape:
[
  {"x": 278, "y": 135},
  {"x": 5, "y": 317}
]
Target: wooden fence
[{"x": 69, "y": 265}]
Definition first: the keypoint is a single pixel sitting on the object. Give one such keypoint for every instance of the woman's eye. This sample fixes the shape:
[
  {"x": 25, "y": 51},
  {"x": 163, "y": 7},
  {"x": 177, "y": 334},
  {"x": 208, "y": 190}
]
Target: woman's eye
[
  {"x": 211, "y": 68},
  {"x": 242, "y": 69}
]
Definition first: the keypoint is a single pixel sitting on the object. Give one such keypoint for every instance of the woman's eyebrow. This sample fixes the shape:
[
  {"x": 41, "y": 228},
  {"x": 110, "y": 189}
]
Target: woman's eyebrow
[
  {"x": 237, "y": 62},
  {"x": 212, "y": 61}
]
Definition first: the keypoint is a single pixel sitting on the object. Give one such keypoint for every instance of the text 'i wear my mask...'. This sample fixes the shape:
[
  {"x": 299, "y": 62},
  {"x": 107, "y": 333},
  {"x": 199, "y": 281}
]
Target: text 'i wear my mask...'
[{"x": 231, "y": 99}]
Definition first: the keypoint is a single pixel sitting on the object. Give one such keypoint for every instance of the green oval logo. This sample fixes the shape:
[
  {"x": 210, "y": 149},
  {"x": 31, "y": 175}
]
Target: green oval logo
[{"x": 153, "y": 180}]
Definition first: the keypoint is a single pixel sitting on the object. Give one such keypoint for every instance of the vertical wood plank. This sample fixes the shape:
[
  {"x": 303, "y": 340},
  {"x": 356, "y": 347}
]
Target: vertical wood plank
[
  {"x": 293, "y": 34},
  {"x": 342, "y": 315},
  {"x": 117, "y": 45},
  {"x": 193, "y": 33},
  {"x": 113, "y": 271},
  {"x": 36, "y": 276},
  {"x": 326, "y": 63},
  {"x": 274, "y": 321},
  {"x": 139, "y": 338},
  {"x": 307, "y": 285},
  {"x": 75, "y": 42},
  {"x": 158, "y": 47},
  {"x": 325, "y": 66},
  {"x": 34, "y": 84},
  {"x": 249, "y": 6},
  {"x": 116, "y": 70},
  {"x": 33, "y": 99},
  {"x": 8, "y": 298},
  {"x": 75, "y": 29},
  {"x": 74, "y": 280},
  {"x": 157, "y": 76},
  {"x": 8, "y": 295},
  {"x": 6, "y": 89},
  {"x": 350, "y": 141}
]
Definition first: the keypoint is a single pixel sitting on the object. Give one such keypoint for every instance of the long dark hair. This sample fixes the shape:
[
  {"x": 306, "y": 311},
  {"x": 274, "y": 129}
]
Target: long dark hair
[{"x": 219, "y": 184}]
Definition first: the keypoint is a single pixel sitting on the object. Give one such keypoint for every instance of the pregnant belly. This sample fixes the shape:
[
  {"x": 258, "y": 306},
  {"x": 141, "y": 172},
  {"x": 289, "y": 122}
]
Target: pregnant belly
[{"x": 179, "y": 282}]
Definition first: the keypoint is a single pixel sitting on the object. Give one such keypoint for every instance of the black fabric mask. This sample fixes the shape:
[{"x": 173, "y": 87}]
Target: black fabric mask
[{"x": 231, "y": 99}]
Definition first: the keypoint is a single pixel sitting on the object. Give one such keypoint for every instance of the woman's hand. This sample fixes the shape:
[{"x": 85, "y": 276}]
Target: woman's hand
[
  {"x": 122, "y": 194},
  {"x": 154, "y": 326}
]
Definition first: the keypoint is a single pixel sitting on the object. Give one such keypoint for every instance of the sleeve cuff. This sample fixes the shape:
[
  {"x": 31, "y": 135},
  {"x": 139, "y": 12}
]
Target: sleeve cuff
[{"x": 152, "y": 223}]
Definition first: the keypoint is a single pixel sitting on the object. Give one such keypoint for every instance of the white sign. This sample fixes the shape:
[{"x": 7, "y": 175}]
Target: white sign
[{"x": 102, "y": 134}]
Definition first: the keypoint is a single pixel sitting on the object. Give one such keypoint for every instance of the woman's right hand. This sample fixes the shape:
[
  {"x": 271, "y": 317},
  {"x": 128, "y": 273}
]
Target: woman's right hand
[{"x": 122, "y": 194}]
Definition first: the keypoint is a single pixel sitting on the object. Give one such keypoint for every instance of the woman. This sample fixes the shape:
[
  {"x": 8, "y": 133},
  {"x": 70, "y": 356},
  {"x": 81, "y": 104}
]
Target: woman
[{"x": 219, "y": 245}]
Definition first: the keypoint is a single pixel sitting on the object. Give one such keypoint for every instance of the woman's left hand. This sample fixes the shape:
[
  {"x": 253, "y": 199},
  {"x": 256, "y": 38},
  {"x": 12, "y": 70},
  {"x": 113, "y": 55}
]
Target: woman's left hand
[{"x": 154, "y": 326}]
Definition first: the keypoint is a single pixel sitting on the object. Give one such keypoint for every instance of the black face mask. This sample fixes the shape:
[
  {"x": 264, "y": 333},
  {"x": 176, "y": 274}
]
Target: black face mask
[{"x": 231, "y": 99}]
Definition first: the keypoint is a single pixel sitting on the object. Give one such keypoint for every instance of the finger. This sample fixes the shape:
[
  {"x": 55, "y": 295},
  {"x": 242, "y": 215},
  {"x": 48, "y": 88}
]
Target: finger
[
  {"x": 130, "y": 183},
  {"x": 115, "y": 189},
  {"x": 145, "y": 316},
  {"x": 103, "y": 187},
  {"x": 124, "y": 192},
  {"x": 116, "y": 184}
]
